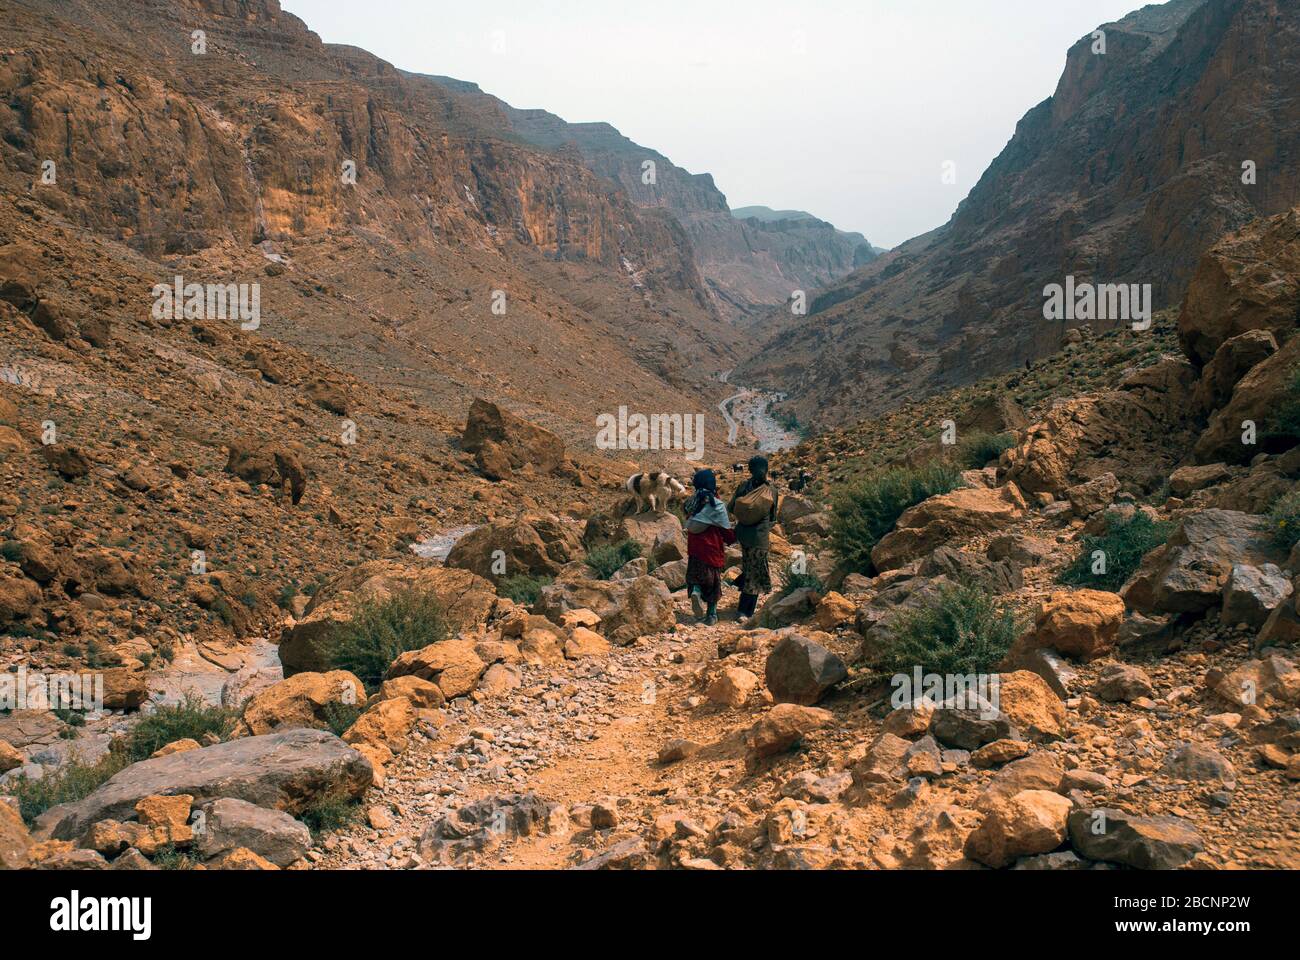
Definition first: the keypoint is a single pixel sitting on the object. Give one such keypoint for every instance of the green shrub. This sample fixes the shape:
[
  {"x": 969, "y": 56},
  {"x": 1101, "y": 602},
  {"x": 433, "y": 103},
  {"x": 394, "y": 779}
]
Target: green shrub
[
  {"x": 74, "y": 781},
  {"x": 1284, "y": 517},
  {"x": 606, "y": 560},
  {"x": 333, "y": 811},
  {"x": 191, "y": 719},
  {"x": 523, "y": 589},
  {"x": 381, "y": 630},
  {"x": 11, "y": 550},
  {"x": 170, "y": 857},
  {"x": 792, "y": 581},
  {"x": 340, "y": 716},
  {"x": 1124, "y": 544},
  {"x": 867, "y": 509},
  {"x": 978, "y": 449},
  {"x": 964, "y": 629}
]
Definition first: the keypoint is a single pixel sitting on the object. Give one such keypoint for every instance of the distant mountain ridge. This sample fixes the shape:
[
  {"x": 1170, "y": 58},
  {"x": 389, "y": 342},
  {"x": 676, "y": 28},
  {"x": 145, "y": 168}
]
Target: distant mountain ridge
[
  {"x": 750, "y": 263},
  {"x": 1126, "y": 174}
]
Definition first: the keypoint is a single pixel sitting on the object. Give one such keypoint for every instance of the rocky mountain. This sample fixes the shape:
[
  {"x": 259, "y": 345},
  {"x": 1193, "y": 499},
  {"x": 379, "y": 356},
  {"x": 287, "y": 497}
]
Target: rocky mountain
[
  {"x": 1129, "y": 170},
  {"x": 749, "y": 263}
]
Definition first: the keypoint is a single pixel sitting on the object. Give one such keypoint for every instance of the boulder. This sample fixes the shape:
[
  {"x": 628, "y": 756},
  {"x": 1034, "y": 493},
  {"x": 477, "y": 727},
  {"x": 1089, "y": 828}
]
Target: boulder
[
  {"x": 968, "y": 721},
  {"x": 1031, "y": 705},
  {"x": 15, "y": 840},
  {"x": 1259, "y": 397},
  {"x": 1038, "y": 771},
  {"x": 946, "y": 519},
  {"x": 783, "y": 727},
  {"x": 229, "y": 824},
  {"x": 285, "y": 771},
  {"x": 801, "y": 671},
  {"x": 453, "y": 665},
  {"x": 650, "y": 530},
  {"x": 628, "y": 609},
  {"x": 1269, "y": 682},
  {"x": 1122, "y": 683},
  {"x": 518, "y": 441},
  {"x": 1231, "y": 362},
  {"x": 1249, "y": 280},
  {"x": 1029, "y": 823},
  {"x": 1094, "y": 496},
  {"x": 11, "y": 758},
  {"x": 387, "y": 723},
  {"x": 1199, "y": 763},
  {"x": 1078, "y": 623},
  {"x": 732, "y": 687},
  {"x": 672, "y": 574},
  {"x": 1252, "y": 593},
  {"x": 536, "y": 545},
  {"x": 794, "y": 607},
  {"x": 467, "y": 601},
  {"x": 1188, "y": 574},
  {"x": 1144, "y": 843},
  {"x": 1185, "y": 481},
  {"x": 302, "y": 701}
]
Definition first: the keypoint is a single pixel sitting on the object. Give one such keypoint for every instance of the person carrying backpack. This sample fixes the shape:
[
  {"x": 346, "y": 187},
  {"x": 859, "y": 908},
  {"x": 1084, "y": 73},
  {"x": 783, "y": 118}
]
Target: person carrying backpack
[
  {"x": 754, "y": 505},
  {"x": 708, "y": 532}
]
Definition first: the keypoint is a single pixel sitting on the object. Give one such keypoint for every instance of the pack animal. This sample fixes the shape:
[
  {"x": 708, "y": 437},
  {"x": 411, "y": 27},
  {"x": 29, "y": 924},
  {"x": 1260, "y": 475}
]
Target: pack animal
[{"x": 655, "y": 489}]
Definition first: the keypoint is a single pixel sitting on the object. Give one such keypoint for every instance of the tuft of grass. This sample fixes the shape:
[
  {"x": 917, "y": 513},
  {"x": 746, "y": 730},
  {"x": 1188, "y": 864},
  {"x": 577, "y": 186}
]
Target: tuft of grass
[
  {"x": 605, "y": 561},
  {"x": 867, "y": 509},
  {"x": 1124, "y": 544},
  {"x": 382, "y": 630},
  {"x": 978, "y": 449},
  {"x": 1286, "y": 425},
  {"x": 792, "y": 580},
  {"x": 340, "y": 716},
  {"x": 1284, "y": 520},
  {"x": 171, "y": 857},
  {"x": 523, "y": 589},
  {"x": 191, "y": 719},
  {"x": 332, "y": 811},
  {"x": 74, "y": 781},
  {"x": 964, "y": 629}
]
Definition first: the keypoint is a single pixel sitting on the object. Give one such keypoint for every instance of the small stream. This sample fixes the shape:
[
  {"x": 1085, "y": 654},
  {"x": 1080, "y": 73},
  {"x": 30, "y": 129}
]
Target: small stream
[{"x": 437, "y": 546}]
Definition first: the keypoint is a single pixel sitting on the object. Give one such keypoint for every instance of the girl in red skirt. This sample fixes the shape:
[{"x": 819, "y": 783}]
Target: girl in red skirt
[{"x": 708, "y": 532}]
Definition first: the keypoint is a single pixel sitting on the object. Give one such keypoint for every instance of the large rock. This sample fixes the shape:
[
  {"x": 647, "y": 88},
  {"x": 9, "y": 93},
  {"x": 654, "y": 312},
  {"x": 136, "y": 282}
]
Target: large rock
[
  {"x": 301, "y": 701},
  {"x": 968, "y": 721},
  {"x": 283, "y": 771},
  {"x": 466, "y": 598},
  {"x": 1139, "y": 431},
  {"x": 537, "y": 545},
  {"x": 1252, "y": 593},
  {"x": 801, "y": 671},
  {"x": 1031, "y": 705},
  {"x": 1231, "y": 362},
  {"x": 782, "y": 727},
  {"x": 1188, "y": 574},
  {"x": 1259, "y": 397},
  {"x": 15, "y": 840},
  {"x": 1031, "y": 822},
  {"x": 1249, "y": 280},
  {"x": 1078, "y": 623},
  {"x": 653, "y": 531},
  {"x": 945, "y": 519},
  {"x": 229, "y": 824},
  {"x": 1145, "y": 843},
  {"x": 628, "y": 609},
  {"x": 453, "y": 665},
  {"x": 510, "y": 439}
]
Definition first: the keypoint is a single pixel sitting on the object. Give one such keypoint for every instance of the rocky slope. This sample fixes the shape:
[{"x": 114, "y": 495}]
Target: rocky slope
[
  {"x": 749, "y": 263},
  {"x": 1124, "y": 175},
  {"x": 1152, "y": 723}
]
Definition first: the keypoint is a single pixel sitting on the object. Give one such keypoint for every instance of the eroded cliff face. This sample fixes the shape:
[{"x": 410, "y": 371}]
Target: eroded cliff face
[
  {"x": 748, "y": 265},
  {"x": 1125, "y": 175}
]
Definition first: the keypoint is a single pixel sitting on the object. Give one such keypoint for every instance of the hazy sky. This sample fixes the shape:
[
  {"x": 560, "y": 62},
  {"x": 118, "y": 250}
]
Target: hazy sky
[{"x": 845, "y": 108}]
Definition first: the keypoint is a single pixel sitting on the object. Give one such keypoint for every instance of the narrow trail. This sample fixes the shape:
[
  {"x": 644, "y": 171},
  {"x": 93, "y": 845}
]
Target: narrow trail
[
  {"x": 577, "y": 733},
  {"x": 751, "y": 408}
]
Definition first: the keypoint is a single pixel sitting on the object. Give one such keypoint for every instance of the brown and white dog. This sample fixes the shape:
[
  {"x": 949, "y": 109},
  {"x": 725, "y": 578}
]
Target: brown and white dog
[{"x": 657, "y": 489}]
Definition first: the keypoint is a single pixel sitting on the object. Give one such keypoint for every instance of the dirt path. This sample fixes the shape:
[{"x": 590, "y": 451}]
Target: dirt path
[{"x": 574, "y": 734}]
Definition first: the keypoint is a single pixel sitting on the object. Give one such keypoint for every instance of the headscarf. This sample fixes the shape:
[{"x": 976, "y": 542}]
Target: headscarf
[
  {"x": 706, "y": 490},
  {"x": 758, "y": 469}
]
